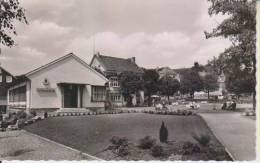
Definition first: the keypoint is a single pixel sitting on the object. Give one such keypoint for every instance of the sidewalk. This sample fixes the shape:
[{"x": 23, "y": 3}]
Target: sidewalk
[
  {"x": 21, "y": 145},
  {"x": 236, "y": 132}
]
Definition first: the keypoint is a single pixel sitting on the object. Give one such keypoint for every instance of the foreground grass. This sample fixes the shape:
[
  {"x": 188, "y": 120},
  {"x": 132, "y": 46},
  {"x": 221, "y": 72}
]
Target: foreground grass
[{"x": 91, "y": 134}]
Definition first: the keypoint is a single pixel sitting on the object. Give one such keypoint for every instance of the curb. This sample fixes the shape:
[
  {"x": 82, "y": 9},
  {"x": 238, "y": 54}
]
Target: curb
[
  {"x": 64, "y": 146},
  {"x": 228, "y": 152}
]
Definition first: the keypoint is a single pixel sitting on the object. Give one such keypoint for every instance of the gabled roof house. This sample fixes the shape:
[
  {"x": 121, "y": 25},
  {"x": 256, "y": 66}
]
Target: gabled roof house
[
  {"x": 6, "y": 80},
  {"x": 67, "y": 82},
  {"x": 111, "y": 68}
]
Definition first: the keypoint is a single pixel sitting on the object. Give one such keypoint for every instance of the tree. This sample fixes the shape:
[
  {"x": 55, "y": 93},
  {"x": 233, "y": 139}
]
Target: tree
[
  {"x": 191, "y": 82},
  {"x": 168, "y": 86},
  {"x": 163, "y": 133},
  {"x": 239, "y": 27},
  {"x": 210, "y": 82},
  {"x": 10, "y": 10},
  {"x": 151, "y": 83},
  {"x": 130, "y": 83},
  {"x": 197, "y": 67}
]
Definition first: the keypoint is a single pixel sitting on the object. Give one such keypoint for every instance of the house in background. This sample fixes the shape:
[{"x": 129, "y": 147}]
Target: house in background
[
  {"x": 6, "y": 79},
  {"x": 67, "y": 83},
  {"x": 111, "y": 68}
]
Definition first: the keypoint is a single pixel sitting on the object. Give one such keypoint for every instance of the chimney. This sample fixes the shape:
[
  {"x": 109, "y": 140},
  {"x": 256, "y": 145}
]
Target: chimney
[{"x": 132, "y": 59}]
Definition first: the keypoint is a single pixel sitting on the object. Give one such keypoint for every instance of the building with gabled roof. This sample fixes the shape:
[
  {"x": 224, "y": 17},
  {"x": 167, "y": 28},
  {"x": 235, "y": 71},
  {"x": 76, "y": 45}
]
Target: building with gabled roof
[
  {"x": 67, "y": 82},
  {"x": 6, "y": 79},
  {"x": 111, "y": 68}
]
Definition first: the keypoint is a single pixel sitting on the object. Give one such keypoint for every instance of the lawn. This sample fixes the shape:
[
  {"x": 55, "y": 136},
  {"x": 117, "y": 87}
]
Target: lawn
[{"x": 91, "y": 134}]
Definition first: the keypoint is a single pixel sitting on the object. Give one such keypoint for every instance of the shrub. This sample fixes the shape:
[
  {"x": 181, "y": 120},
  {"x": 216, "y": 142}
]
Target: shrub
[
  {"x": 147, "y": 142},
  {"x": 123, "y": 151},
  {"x": 21, "y": 115},
  {"x": 157, "y": 151},
  {"x": 189, "y": 148},
  {"x": 108, "y": 105},
  {"x": 202, "y": 139},
  {"x": 33, "y": 113},
  {"x": 115, "y": 140},
  {"x": 120, "y": 146},
  {"x": 163, "y": 133}
]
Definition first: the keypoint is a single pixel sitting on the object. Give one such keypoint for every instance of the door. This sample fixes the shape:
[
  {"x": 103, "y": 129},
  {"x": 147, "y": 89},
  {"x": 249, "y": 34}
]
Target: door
[{"x": 70, "y": 96}]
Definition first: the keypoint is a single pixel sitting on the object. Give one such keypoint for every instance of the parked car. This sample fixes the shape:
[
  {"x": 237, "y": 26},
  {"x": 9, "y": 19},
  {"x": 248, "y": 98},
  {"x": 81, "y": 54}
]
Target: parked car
[
  {"x": 192, "y": 105},
  {"x": 175, "y": 103},
  {"x": 204, "y": 102}
]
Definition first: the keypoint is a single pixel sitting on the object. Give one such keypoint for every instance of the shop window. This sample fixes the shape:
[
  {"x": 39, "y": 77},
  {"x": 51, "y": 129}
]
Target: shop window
[{"x": 98, "y": 93}]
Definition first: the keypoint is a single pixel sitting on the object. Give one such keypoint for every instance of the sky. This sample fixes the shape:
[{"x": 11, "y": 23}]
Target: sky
[{"x": 157, "y": 32}]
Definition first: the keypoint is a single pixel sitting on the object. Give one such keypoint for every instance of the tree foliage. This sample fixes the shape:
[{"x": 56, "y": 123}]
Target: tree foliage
[
  {"x": 240, "y": 58},
  {"x": 168, "y": 86},
  {"x": 151, "y": 83},
  {"x": 191, "y": 82},
  {"x": 130, "y": 83},
  {"x": 10, "y": 10},
  {"x": 210, "y": 82}
]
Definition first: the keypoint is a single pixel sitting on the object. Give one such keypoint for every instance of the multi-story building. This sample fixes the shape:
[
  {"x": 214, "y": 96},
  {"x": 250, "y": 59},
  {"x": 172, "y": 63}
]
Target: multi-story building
[
  {"x": 111, "y": 68},
  {"x": 6, "y": 79}
]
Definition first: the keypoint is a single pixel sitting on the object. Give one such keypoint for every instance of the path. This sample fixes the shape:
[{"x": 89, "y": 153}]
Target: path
[
  {"x": 21, "y": 145},
  {"x": 235, "y": 132}
]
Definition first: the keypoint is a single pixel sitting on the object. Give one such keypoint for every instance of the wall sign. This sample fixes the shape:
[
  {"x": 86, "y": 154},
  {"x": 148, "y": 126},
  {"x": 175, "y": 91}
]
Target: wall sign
[{"x": 46, "y": 89}]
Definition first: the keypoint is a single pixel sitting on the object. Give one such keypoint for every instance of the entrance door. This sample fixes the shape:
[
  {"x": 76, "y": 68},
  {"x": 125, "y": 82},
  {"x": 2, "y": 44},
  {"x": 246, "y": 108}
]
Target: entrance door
[{"x": 70, "y": 96}]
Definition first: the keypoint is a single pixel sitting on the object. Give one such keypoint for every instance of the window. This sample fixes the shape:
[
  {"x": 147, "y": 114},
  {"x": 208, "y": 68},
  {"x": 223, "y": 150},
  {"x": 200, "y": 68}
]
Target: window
[
  {"x": 17, "y": 94},
  {"x": 9, "y": 79},
  {"x": 114, "y": 82},
  {"x": 98, "y": 93},
  {"x": 1, "y": 78},
  {"x": 115, "y": 97}
]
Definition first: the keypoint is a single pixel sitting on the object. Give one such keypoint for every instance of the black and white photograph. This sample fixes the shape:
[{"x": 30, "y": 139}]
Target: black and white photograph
[{"x": 129, "y": 80}]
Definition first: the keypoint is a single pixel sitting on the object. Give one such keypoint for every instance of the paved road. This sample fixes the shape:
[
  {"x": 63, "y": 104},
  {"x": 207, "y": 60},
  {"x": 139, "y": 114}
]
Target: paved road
[{"x": 235, "y": 132}]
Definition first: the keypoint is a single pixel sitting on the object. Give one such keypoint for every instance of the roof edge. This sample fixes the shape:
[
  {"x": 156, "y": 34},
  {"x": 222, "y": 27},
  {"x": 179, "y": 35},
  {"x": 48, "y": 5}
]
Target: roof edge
[{"x": 61, "y": 59}]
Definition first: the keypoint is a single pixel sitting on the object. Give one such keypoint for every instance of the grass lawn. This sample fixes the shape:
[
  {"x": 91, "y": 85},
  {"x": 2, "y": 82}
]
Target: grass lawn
[{"x": 91, "y": 134}]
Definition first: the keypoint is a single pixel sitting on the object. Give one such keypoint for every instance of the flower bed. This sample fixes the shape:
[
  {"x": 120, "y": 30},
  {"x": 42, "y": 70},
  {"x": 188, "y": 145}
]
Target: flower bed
[
  {"x": 92, "y": 113},
  {"x": 177, "y": 112}
]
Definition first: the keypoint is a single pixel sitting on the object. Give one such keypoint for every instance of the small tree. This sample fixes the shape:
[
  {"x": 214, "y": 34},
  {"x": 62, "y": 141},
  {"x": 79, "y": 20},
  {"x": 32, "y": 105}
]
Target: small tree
[
  {"x": 169, "y": 86},
  {"x": 130, "y": 83},
  {"x": 191, "y": 82},
  {"x": 151, "y": 83},
  {"x": 210, "y": 83},
  {"x": 163, "y": 133}
]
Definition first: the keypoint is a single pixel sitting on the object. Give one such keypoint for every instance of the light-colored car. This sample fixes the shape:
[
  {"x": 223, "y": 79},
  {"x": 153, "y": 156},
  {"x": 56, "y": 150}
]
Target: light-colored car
[
  {"x": 193, "y": 105},
  {"x": 175, "y": 103},
  {"x": 204, "y": 102}
]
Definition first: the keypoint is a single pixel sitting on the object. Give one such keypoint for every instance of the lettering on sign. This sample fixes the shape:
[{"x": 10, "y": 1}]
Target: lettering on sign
[{"x": 46, "y": 89}]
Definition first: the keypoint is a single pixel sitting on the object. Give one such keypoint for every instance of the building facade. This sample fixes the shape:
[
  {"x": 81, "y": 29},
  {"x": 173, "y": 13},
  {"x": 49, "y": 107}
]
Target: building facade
[
  {"x": 111, "y": 68},
  {"x": 6, "y": 80},
  {"x": 67, "y": 82}
]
